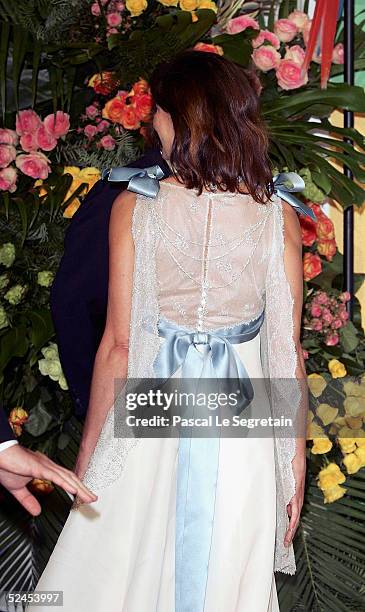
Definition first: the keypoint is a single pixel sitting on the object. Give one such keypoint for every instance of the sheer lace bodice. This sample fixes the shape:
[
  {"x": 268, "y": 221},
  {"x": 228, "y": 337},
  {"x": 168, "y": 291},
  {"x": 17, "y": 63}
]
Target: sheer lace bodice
[{"x": 211, "y": 256}]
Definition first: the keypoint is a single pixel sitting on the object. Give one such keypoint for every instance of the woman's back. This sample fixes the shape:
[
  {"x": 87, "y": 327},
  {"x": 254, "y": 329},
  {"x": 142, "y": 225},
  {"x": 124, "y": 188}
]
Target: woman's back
[{"x": 212, "y": 255}]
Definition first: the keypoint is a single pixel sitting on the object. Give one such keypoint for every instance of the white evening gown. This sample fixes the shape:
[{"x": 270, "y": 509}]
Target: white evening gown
[{"x": 118, "y": 554}]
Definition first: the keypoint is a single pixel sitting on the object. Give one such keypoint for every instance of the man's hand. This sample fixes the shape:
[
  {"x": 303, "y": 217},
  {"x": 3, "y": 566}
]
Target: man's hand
[
  {"x": 19, "y": 465},
  {"x": 295, "y": 505}
]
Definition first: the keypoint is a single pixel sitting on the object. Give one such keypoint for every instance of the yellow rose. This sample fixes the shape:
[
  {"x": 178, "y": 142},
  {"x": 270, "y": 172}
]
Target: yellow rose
[
  {"x": 360, "y": 454},
  {"x": 207, "y": 4},
  {"x": 360, "y": 441},
  {"x": 194, "y": 17},
  {"x": 316, "y": 384},
  {"x": 188, "y": 5},
  {"x": 334, "y": 493},
  {"x": 314, "y": 431},
  {"x": 354, "y": 422},
  {"x": 352, "y": 463},
  {"x": 89, "y": 176},
  {"x": 321, "y": 446},
  {"x": 330, "y": 476},
  {"x": 336, "y": 368},
  {"x": 340, "y": 421},
  {"x": 42, "y": 190},
  {"x": 354, "y": 406},
  {"x": 346, "y": 440},
  {"x": 326, "y": 413},
  {"x": 352, "y": 388},
  {"x": 136, "y": 7}
]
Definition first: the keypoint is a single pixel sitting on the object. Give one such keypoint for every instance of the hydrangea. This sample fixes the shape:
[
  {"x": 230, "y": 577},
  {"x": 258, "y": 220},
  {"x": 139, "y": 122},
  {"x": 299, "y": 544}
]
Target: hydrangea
[
  {"x": 51, "y": 366},
  {"x": 45, "y": 278},
  {"x": 7, "y": 254},
  {"x": 15, "y": 294}
]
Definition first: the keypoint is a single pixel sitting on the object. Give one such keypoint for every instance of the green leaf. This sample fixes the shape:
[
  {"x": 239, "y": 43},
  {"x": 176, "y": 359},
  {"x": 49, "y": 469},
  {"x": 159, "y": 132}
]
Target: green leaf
[
  {"x": 236, "y": 47},
  {"x": 42, "y": 328},
  {"x": 39, "y": 420},
  {"x": 13, "y": 343},
  {"x": 4, "y": 47},
  {"x": 20, "y": 44},
  {"x": 349, "y": 338}
]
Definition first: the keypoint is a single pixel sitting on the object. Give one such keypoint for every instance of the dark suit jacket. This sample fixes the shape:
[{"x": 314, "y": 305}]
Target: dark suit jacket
[{"x": 79, "y": 292}]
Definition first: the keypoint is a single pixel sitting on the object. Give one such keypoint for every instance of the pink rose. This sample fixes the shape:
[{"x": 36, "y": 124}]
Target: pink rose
[
  {"x": 91, "y": 111},
  {"x": 316, "y": 325},
  {"x": 299, "y": 18},
  {"x": 266, "y": 58},
  {"x": 27, "y": 121},
  {"x": 322, "y": 298},
  {"x": 285, "y": 30},
  {"x": 327, "y": 315},
  {"x": 90, "y": 130},
  {"x": 338, "y": 54},
  {"x": 266, "y": 36},
  {"x": 332, "y": 339},
  {"x": 95, "y": 9},
  {"x": 316, "y": 311},
  {"x": 34, "y": 165},
  {"x": 107, "y": 142},
  {"x": 344, "y": 315},
  {"x": 9, "y": 137},
  {"x": 114, "y": 19},
  {"x": 28, "y": 142},
  {"x": 289, "y": 75},
  {"x": 45, "y": 140},
  {"x": 239, "y": 24},
  {"x": 120, "y": 6},
  {"x": 345, "y": 296},
  {"x": 295, "y": 53},
  {"x": 7, "y": 155},
  {"x": 111, "y": 31},
  {"x": 336, "y": 324},
  {"x": 8, "y": 179},
  {"x": 103, "y": 125},
  {"x": 57, "y": 125}
]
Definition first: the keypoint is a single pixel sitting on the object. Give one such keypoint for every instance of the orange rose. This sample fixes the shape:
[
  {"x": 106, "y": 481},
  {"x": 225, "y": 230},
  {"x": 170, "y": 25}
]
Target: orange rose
[
  {"x": 312, "y": 265},
  {"x": 325, "y": 229},
  {"x": 39, "y": 485},
  {"x": 103, "y": 83},
  {"x": 208, "y": 48},
  {"x": 113, "y": 110},
  {"x": 140, "y": 87},
  {"x": 308, "y": 228},
  {"x": 143, "y": 105},
  {"x": 327, "y": 248},
  {"x": 129, "y": 118},
  {"x": 18, "y": 416}
]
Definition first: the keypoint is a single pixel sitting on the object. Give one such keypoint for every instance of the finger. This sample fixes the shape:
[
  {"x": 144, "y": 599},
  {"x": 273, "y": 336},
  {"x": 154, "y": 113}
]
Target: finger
[
  {"x": 293, "y": 523},
  {"x": 27, "y": 500},
  {"x": 69, "y": 482}
]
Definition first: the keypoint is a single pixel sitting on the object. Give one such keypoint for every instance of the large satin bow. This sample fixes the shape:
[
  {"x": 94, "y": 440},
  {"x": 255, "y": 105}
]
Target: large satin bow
[
  {"x": 285, "y": 192},
  {"x": 140, "y": 180},
  {"x": 217, "y": 360}
]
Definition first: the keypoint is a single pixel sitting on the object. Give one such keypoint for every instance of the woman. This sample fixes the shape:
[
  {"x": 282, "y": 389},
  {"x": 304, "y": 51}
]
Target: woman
[{"x": 205, "y": 282}]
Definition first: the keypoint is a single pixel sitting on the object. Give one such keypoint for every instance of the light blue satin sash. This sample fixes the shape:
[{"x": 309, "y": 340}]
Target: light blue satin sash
[{"x": 198, "y": 458}]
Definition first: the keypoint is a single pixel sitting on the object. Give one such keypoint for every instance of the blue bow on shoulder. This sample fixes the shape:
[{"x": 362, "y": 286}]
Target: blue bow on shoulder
[{"x": 145, "y": 181}]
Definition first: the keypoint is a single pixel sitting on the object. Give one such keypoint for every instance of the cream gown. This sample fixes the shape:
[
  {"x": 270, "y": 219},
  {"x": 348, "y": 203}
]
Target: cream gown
[{"x": 118, "y": 554}]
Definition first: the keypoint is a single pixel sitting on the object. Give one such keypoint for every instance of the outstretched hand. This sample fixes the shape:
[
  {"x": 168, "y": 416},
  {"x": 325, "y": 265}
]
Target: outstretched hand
[{"x": 19, "y": 465}]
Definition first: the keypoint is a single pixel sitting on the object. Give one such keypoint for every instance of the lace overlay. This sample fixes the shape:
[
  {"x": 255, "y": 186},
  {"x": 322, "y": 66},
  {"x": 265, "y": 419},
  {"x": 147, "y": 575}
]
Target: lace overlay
[{"x": 206, "y": 262}]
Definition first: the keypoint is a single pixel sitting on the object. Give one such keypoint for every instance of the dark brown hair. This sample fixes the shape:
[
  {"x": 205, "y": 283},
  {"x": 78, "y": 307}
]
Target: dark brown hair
[{"x": 220, "y": 137}]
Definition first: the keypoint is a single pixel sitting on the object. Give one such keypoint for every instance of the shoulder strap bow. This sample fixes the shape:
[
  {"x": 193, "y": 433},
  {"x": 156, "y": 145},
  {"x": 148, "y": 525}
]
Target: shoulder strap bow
[
  {"x": 140, "y": 180},
  {"x": 285, "y": 192}
]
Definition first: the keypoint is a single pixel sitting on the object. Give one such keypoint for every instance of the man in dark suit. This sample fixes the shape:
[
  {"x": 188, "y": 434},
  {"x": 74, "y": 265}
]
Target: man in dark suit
[{"x": 79, "y": 297}]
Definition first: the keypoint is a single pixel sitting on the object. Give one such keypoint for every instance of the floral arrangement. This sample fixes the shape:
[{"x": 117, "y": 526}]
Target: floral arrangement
[
  {"x": 271, "y": 51},
  {"x": 336, "y": 427}
]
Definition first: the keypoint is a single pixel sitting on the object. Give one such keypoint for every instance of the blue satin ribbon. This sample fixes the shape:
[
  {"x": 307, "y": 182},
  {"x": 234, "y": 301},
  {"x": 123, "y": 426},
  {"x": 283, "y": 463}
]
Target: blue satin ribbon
[
  {"x": 140, "y": 180},
  {"x": 198, "y": 458},
  {"x": 285, "y": 192}
]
